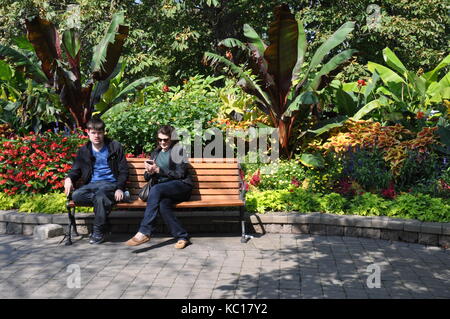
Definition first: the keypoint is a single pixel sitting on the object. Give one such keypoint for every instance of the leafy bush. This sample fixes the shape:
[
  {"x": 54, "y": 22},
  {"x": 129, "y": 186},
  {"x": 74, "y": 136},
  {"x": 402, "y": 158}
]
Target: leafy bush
[
  {"x": 271, "y": 200},
  {"x": 51, "y": 203},
  {"x": 367, "y": 168},
  {"x": 302, "y": 201},
  {"x": 420, "y": 206},
  {"x": 368, "y": 204},
  {"x": 333, "y": 203},
  {"x": 136, "y": 125},
  {"x": 37, "y": 163},
  {"x": 277, "y": 175}
]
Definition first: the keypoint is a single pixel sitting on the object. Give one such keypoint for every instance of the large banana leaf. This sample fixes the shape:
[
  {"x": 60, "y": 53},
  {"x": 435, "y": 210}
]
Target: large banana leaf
[
  {"x": 107, "y": 52},
  {"x": 5, "y": 71},
  {"x": 366, "y": 109},
  {"x": 233, "y": 43},
  {"x": 72, "y": 45},
  {"x": 331, "y": 65},
  {"x": 21, "y": 59},
  {"x": 336, "y": 38},
  {"x": 301, "y": 51},
  {"x": 45, "y": 39},
  {"x": 433, "y": 75},
  {"x": 281, "y": 54},
  {"x": 393, "y": 61},
  {"x": 254, "y": 39}
]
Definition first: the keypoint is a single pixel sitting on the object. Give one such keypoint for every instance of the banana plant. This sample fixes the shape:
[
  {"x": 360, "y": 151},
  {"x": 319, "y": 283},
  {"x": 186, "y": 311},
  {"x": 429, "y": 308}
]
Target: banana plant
[
  {"x": 283, "y": 83},
  {"x": 111, "y": 101},
  {"x": 407, "y": 90},
  {"x": 60, "y": 63}
]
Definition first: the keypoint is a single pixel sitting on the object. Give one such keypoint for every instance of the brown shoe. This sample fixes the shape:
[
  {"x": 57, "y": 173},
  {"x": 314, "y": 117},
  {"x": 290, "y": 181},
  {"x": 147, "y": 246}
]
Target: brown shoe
[
  {"x": 136, "y": 242},
  {"x": 182, "y": 244}
]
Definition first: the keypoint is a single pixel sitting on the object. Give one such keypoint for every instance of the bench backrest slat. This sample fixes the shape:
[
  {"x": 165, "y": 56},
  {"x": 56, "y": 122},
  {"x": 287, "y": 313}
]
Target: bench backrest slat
[{"x": 214, "y": 179}]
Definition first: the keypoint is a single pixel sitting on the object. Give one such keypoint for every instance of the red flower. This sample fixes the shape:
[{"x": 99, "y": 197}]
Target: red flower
[
  {"x": 295, "y": 182},
  {"x": 229, "y": 55},
  {"x": 166, "y": 88},
  {"x": 256, "y": 179},
  {"x": 389, "y": 192},
  {"x": 420, "y": 115},
  {"x": 361, "y": 83}
]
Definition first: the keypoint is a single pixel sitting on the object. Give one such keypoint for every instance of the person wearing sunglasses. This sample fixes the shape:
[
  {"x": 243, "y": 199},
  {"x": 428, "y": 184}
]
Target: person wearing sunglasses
[{"x": 171, "y": 183}]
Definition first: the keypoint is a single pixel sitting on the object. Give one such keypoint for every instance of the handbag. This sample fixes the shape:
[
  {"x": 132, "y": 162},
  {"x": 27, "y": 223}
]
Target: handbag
[{"x": 143, "y": 193}]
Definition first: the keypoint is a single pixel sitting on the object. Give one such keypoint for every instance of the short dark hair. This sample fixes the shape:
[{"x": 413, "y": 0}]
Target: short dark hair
[{"x": 95, "y": 124}]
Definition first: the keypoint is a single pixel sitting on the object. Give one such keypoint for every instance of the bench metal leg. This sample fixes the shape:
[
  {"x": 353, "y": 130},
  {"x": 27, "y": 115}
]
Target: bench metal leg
[
  {"x": 245, "y": 238},
  {"x": 72, "y": 224}
]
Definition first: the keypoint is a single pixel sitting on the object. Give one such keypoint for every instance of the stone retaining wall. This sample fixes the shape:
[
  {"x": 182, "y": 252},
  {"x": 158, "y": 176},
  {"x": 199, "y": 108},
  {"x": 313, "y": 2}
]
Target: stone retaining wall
[{"x": 412, "y": 231}]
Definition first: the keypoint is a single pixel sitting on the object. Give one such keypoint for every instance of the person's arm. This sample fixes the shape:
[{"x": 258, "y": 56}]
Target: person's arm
[{"x": 123, "y": 168}]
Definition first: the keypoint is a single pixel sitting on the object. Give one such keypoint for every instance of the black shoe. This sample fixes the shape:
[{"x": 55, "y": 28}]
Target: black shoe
[
  {"x": 98, "y": 235},
  {"x": 97, "y": 239}
]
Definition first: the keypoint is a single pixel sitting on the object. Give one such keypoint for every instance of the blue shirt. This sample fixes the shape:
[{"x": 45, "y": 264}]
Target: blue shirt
[{"x": 102, "y": 172}]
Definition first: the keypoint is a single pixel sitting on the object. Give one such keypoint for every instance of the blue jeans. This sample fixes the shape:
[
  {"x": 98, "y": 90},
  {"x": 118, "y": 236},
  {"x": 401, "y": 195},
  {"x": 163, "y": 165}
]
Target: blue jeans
[
  {"x": 161, "y": 198},
  {"x": 97, "y": 194}
]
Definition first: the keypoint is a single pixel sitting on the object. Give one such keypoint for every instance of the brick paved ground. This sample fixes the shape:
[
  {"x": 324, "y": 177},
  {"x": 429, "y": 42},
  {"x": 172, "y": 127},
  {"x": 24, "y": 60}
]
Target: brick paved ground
[{"x": 271, "y": 266}]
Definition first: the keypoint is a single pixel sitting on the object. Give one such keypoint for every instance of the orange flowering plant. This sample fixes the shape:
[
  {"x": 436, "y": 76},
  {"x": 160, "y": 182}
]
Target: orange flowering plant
[{"x": 393, "y": 141}]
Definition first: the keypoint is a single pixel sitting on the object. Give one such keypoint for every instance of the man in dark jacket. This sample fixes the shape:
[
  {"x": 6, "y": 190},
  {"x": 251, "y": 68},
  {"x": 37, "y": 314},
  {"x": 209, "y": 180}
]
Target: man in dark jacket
[{"x": 102, "y": 166}]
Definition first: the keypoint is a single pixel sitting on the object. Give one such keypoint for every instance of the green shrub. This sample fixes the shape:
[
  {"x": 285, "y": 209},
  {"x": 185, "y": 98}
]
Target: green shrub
[
  {"x": 51, "y": 203},
  {"x": 136, "y": 125},
  {"x": 266, "y": 201},
  {"x": 420, "y": 206},
  {"x": 277, "y": 175},
  {"x": 301, "y": 200},
  {"x": 369, "y": 204},
  {"x": 333, "y": 203}
]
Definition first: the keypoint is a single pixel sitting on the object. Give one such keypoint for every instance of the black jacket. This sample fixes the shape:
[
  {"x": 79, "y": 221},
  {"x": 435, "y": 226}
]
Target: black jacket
[
  {"x": 84, "y": 162},
  {"x": 178, "y": 169}
]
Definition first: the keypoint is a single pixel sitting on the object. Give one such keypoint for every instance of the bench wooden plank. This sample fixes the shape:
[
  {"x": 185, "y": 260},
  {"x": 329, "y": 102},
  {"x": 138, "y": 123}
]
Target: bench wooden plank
[
  {"x": 194, "y": 165},
  {"x": 196, "y": 191}
]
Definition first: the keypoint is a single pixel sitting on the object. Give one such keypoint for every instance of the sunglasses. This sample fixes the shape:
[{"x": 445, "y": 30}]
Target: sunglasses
[{"x": 163, "y": 139}]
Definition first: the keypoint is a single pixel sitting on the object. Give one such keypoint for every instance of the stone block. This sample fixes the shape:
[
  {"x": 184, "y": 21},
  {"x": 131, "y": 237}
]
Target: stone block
[
  {"x": 3, "y": 228},
  {"x": 286, "y": 229},
  {"x": 373, "y": 233},
  {"x": 444, "y": 241},
  {"x": 409, "y": 237},
  {"x": 46, "y": 231},
  {"x": 13, "y": 228},
  {"x": 395, "y": 224},
  {"x": 16, "y": 217},
  {"x": 333, "y": 230},
  {"x": 390, "y": 234},
  {"x": 314, "y": 218},
  {"x": 317, "y": 229},
  {"x": 301, "y": 219},
  {"x": 28, "y": 229},
  {"x": 445, "y": 228},
  {"x": 257, "y": 228},
  {"x": 274, "y": 228},
  {"x": 352, "y": 231},
  {"x": 328, "y": 219},
  {"x": 428, "y": 239},
  {"x": 279, "y": 219},
  {"x": 363, "y": 221},
  {"x": 431, "y": 228},
  {"x": 4, "y": 215},
  {"x": 380, "y": 221},
  {"x": 412, "y": 226},
  {"x": 300, "y": 229},
  {"x": 60, "y": 219}
]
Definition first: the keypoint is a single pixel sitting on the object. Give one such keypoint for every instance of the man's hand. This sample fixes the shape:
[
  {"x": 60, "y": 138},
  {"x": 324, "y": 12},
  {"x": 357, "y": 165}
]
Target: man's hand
[
  {"x": 118, "y": 195},
  {"x": 68, "y": 186}
]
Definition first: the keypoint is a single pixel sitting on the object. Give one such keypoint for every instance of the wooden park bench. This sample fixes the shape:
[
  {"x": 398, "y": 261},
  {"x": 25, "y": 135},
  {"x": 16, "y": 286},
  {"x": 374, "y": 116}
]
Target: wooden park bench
[{"x": 217, "y": 183}]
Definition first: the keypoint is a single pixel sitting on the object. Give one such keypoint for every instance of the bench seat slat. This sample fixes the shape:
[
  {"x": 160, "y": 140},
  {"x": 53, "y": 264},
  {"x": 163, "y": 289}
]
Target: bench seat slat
[
  {"x": 195, "y": 178},
  {"x": 196, "y": 191},
  {"x": 141, "y": 165}
]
